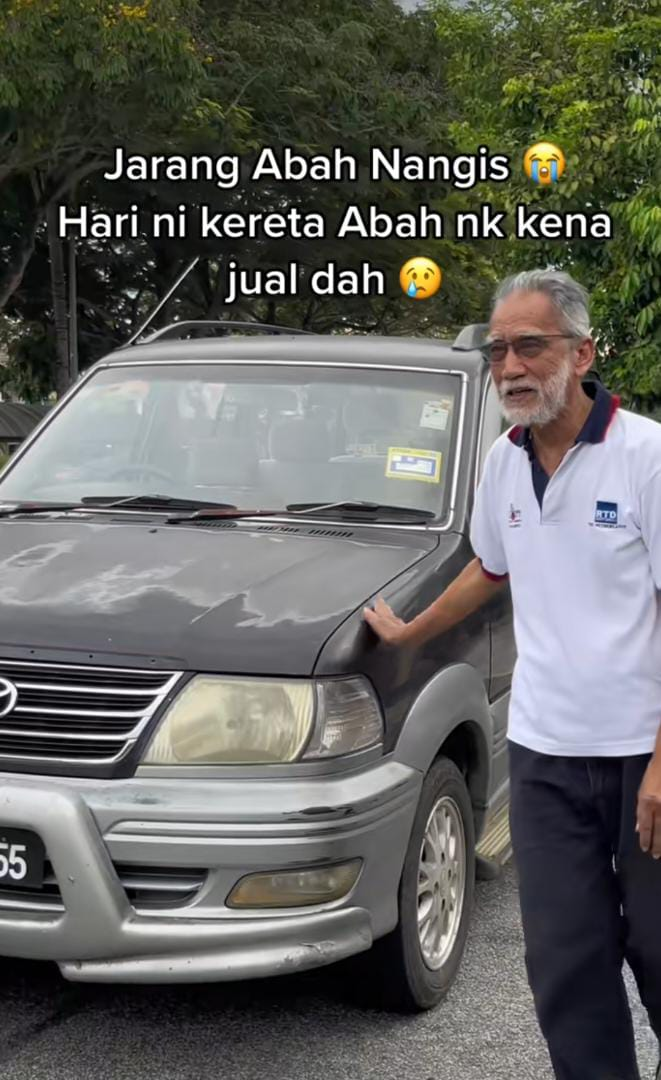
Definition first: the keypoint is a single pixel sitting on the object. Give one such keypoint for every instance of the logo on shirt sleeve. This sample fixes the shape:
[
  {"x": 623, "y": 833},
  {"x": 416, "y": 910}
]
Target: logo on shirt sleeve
[{"x": 606, "y": 516}]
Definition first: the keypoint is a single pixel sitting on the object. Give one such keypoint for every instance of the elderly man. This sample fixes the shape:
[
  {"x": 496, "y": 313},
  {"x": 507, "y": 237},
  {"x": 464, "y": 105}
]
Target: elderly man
[{"x": 569, "y": 511}]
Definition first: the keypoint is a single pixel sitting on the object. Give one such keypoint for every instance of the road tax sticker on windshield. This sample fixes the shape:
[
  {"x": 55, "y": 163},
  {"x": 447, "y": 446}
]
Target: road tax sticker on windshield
[
  {"x": 406, "y": 463},
  {"x": 435, "y": 414}
]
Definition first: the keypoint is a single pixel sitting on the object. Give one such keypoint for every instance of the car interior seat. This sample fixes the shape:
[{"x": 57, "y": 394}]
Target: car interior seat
[
  {"x": 298, "y": 469},
  {"x": 226, "y": 463},
  {"x": 370, "y": 422}
]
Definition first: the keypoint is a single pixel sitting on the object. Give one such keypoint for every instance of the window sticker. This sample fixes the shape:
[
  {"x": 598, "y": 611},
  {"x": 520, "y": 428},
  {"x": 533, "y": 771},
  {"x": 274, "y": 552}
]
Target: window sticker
[
  {"x": 435, "y": 414},
  {"x": 406, "y": 463}
]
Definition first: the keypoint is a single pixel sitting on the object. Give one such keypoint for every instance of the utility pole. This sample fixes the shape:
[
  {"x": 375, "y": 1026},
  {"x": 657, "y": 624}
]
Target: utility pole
[{"x": 73, "y": 311}]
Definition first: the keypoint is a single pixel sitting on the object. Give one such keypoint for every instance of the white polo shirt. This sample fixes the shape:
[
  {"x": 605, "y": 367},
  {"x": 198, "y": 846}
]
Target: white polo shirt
[{"x": 583, "y": 553}]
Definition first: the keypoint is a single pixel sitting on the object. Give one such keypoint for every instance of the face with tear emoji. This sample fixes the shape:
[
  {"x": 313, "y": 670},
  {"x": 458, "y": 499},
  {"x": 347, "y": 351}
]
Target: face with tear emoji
[
  {"x": 420, "y": 278},
  {"x": 544, "y": 163}
]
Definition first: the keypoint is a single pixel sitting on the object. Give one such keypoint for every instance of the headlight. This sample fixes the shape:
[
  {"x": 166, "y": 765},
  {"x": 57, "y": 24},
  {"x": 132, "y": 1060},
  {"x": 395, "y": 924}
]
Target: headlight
[
  {"x": 348, "y": 718},
  {"x": 233, "y": 721}
]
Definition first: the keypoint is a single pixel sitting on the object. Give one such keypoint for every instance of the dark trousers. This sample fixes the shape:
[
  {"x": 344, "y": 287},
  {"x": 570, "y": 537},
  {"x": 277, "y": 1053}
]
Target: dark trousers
[{"x": 590, "y": 898}]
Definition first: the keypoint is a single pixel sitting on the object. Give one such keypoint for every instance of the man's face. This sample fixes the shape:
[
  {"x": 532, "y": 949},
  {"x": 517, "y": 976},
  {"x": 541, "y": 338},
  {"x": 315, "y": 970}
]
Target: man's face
[{"x": 532, "y": 390}]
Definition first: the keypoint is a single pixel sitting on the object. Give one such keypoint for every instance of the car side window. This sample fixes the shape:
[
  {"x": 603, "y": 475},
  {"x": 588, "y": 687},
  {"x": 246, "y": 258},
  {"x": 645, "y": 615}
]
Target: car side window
[{"x": 492, "y": 425}]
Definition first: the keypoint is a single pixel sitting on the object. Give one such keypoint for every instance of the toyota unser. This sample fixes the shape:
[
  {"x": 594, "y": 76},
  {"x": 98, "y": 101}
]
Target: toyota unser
[{"x": 210, "y": 768}]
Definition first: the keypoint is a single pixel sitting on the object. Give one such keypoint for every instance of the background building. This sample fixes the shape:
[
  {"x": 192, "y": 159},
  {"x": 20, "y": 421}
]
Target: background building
[{"x": 16, "y": 423}]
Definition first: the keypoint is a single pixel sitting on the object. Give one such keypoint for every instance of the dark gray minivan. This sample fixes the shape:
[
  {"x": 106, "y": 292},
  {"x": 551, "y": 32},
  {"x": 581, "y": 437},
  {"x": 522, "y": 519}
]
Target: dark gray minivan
[{"x": 210, "y": 768}]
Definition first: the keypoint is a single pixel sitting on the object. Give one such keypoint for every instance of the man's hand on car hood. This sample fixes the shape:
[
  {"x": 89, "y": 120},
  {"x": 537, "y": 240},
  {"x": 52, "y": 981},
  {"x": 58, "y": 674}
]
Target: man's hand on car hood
[{"x": 383, "y": 621}]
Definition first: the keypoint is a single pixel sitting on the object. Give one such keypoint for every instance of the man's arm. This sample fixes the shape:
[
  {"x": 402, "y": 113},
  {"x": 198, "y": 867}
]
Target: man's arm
[
  {"x": 469, "y": 591},
  {"x": 648, "y": 815}
]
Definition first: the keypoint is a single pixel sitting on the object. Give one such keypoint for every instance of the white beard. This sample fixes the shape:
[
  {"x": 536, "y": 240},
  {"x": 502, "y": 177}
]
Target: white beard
[{"x": 550, "y": 399}]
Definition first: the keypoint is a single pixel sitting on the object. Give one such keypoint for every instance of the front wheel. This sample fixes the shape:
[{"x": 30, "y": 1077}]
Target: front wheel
[{"x": 420, "y": 958}]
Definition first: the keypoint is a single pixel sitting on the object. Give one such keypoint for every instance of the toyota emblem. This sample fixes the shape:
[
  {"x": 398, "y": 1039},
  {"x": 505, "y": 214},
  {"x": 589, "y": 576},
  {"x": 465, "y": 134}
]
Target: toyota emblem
[{"x": 8, "y": 696}]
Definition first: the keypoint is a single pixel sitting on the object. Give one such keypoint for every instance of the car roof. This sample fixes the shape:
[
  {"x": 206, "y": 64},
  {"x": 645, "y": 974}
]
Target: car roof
[{"x": 358, "y": 349}]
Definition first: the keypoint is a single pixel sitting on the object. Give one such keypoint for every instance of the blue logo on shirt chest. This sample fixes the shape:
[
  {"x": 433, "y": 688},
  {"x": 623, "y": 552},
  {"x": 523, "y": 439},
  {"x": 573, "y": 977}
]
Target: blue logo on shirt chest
[{"x": 605, "y": 514}]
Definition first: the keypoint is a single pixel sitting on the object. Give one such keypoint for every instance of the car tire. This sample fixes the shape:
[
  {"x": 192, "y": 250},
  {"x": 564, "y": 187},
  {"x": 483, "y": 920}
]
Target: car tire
[{"x": 417, "y": 962}]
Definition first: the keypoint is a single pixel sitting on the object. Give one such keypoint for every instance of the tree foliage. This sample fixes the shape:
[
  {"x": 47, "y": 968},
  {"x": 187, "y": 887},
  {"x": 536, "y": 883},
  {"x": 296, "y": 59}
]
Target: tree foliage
[
  {"x": 219, "y": 76},
  {"x": 356, "y": 75},
  {"x": 583, "y": 74},
  {"x": 78, "y": 77}
]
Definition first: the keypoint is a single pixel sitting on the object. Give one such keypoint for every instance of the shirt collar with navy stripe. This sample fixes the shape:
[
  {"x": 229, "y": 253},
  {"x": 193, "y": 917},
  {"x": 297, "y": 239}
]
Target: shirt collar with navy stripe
[{"x": 595, "y": 427}]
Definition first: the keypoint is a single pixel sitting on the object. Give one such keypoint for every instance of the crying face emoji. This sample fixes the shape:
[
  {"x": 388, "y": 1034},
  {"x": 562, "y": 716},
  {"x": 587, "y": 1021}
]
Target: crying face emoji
[
  {"x": 420, "y": 278},
  {"x": 544, "y": 163}
]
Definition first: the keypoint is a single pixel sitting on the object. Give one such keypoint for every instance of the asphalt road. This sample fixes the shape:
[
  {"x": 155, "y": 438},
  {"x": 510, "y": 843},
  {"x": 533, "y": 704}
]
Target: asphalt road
[{"x": 316, "y": 1026}]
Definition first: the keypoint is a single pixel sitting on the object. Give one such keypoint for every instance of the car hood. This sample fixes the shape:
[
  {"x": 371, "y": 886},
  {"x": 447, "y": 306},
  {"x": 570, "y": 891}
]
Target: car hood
[{"x": 239, "y": 598}]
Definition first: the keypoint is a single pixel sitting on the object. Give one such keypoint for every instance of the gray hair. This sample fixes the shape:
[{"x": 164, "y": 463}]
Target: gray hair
[{"x": 570, "y": 299}]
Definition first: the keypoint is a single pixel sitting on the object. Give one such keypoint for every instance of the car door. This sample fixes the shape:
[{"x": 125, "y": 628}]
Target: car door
[{"x": 499, "y": 610}]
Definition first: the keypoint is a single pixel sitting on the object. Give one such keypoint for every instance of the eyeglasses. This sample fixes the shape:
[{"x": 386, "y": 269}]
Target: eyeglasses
[{"x": 527, "y": 346}]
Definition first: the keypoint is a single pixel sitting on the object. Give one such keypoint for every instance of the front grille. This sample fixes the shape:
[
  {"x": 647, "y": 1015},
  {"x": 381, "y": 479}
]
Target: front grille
[
  {"x": 158, "y": 887},
  {"x": 147, "y": 888},
  {"x": 67, "y": 713}
]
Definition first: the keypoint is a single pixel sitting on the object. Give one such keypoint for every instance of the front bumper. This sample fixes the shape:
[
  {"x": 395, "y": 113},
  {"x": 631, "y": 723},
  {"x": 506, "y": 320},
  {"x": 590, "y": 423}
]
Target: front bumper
[{"x": 229, "y": 827}]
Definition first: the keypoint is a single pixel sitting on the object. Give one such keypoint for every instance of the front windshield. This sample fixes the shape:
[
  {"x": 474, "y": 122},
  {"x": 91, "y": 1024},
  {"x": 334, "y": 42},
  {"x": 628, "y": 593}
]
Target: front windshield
[{"x": 258, "y": 436}]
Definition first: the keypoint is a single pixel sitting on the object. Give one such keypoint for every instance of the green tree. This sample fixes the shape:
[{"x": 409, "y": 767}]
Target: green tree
[
  {"x": 234, "y": 77},
  {"x": 583, "y": 74},
  {"x": 358, "y": 75},
  {"x": 351, "y": 74},
  {"x": 77, "y": 78}
]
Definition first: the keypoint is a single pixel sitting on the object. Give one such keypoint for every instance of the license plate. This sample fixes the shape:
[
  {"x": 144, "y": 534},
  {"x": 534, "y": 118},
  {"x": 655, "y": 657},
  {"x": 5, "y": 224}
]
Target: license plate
[{"x": 22, "y": 856}]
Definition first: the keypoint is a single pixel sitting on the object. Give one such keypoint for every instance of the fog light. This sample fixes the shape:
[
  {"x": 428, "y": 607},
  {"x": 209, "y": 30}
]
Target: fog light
[{"x": 293, "y": 888}]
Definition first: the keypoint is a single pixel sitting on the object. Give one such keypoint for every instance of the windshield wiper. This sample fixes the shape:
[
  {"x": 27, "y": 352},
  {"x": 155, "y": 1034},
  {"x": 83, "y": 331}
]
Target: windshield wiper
[
  {"x": 209, "y": 510},
  {"x": 7, "y": 509},
  {"x": 218, "y": 510},
  {"x": 108, "y": 502},
  {"x": 354, "y": 509},
  {"x": 360, "y": 507},
  {"x": 153, "y": 501}
]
